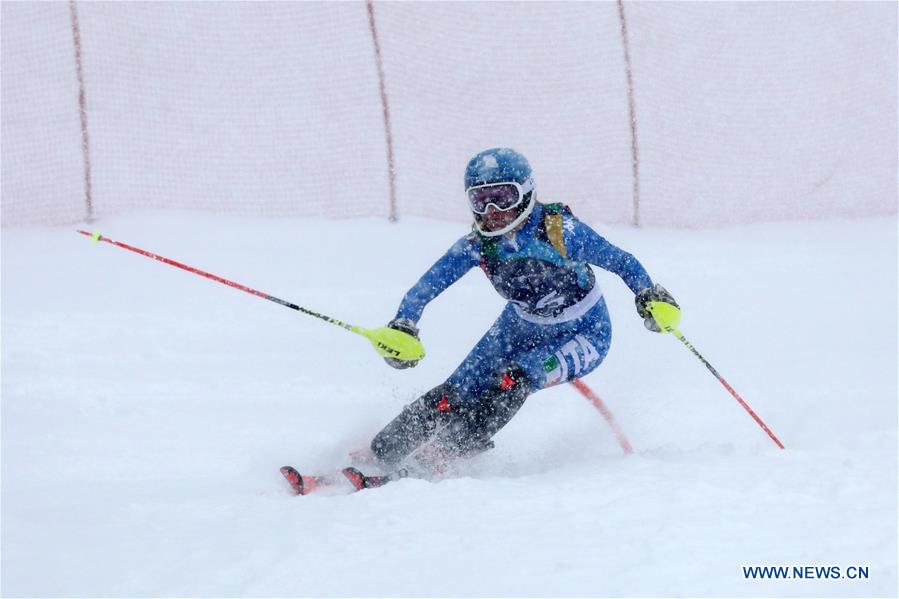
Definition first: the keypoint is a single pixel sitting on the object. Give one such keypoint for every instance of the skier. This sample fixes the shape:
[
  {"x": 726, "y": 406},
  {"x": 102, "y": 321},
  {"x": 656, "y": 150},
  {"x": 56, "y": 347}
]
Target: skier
[{"x": 554, "y": 328}]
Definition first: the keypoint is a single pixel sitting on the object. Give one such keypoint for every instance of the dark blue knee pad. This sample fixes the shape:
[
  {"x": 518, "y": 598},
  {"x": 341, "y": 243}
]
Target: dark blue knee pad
[
  {"x": 476, "y": 421},
  {"x": 415, "y": 425}
]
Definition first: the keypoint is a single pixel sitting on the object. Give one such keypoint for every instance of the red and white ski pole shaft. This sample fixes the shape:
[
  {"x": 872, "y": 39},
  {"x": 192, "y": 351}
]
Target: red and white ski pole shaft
[
  {"x": 668, "y": 317},
  {"x": 386, "y": 341},
  {"x": 727, "y": 386},
  {"x": 202, "y": 273}
]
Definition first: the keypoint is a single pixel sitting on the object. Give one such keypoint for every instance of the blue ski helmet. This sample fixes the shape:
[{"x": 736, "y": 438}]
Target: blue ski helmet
[{"x": 491, "y": 169}]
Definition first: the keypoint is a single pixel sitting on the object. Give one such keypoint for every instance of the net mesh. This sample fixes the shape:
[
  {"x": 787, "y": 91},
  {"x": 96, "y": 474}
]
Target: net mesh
[{"x": 745, "y": 112}]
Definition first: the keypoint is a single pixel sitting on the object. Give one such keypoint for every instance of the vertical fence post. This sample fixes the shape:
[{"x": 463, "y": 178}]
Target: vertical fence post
[
  {"x": 632, "y": 113},
  {"x": 82, "y": 111},
  {"x": 388, "y": 132}
]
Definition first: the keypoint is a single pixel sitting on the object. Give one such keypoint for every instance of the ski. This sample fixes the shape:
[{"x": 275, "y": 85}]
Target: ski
[{"x": 303, "y": 484}]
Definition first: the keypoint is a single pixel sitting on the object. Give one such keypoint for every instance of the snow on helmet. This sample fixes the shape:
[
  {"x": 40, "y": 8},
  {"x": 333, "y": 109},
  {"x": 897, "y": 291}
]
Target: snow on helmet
[{"x": 502, "y": 178}]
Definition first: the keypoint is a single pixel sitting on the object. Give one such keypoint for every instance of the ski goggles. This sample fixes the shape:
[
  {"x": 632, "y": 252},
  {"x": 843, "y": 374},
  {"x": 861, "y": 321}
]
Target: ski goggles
[{"x": 503, "y": 196}]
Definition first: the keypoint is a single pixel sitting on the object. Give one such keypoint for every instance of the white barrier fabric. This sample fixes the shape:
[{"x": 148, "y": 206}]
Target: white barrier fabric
[
  {"x": 745, "y": 112},
  {"x": 42, "y": 178}
]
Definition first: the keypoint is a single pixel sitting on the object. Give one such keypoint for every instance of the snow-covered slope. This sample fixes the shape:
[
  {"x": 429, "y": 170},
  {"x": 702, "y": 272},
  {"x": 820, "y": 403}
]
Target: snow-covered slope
[{"x": 145, "y": 413}]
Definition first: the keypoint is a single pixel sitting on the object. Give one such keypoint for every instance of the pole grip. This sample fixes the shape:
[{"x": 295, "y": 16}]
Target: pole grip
[{"x": 666, "y": 315}]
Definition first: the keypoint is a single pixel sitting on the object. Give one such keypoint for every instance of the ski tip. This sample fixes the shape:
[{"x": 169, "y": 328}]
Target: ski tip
[
  {"x": 303, "y": 485},
  {"x": 356, "y": 478},
  {"x": 293, "y": 477}
]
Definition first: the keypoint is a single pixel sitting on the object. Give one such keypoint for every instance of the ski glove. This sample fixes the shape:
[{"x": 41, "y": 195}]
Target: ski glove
[
  {"x": 656, "y": 293},
  {"x": 406, "y": 326}
]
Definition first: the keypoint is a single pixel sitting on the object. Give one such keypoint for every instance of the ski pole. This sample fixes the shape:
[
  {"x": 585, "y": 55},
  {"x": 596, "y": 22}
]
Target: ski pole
[
  {"x": 668, "y": 317},
  {"x": 606, "y": 413},
  {"x": 386, "y": 341}
]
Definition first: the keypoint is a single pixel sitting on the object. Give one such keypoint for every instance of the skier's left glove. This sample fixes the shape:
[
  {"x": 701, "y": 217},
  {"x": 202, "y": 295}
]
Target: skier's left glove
[
  {"x": 656, "y": 293},
  {"x": 406, "y": 326}
]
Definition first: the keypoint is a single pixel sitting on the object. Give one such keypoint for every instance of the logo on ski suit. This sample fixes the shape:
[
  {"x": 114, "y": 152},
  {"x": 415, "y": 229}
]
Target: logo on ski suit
[
  {"x": 578, "y": 352},
  {"x": 536, "y": 277}
]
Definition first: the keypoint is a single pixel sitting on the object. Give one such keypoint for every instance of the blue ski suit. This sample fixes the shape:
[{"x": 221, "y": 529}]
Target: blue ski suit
[{"x": 555, "y": 326}]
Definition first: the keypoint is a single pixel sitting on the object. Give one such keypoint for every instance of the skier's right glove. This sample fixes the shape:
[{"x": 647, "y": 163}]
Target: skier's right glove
[
  {"x": 406, "y": 326},
  {"x": 656, "y": 293}
]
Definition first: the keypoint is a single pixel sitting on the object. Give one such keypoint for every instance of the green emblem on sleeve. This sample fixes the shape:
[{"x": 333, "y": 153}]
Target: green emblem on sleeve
[{"x": 550, "y": 364}]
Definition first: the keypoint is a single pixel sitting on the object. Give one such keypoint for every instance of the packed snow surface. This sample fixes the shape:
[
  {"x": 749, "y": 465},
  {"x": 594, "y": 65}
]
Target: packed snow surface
[{"x": 146, "y": 411}]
